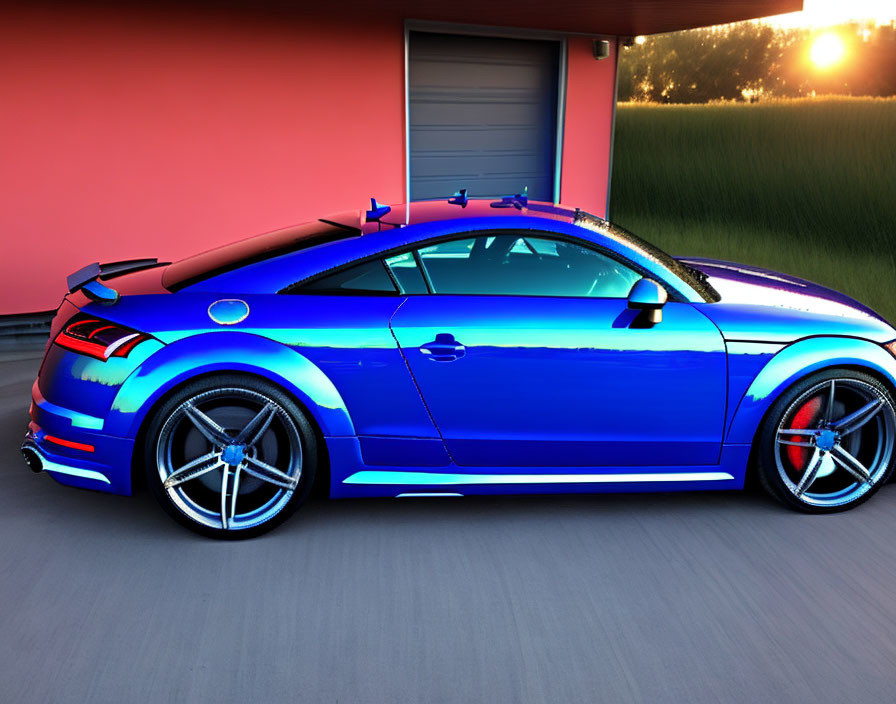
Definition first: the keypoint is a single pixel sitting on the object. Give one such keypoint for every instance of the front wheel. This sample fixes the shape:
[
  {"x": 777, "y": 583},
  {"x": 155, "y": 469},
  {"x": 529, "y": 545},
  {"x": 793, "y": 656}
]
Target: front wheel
[
  {"x": 230, "y": 457},
  {"x": 827, "y": 443}
]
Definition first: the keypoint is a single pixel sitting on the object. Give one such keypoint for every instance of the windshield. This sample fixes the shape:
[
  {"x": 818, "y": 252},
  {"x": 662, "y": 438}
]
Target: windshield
[
  {"x": 697, "y": 280},
  {"x": 253, "y": 249}
]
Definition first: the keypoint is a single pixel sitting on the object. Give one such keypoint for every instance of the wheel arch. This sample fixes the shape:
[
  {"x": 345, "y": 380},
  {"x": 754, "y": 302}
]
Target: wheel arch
[
  {"x": 797, "y": 361},
  {"x": 322, "y": 471},
  {"x": 185, "y": 361}
]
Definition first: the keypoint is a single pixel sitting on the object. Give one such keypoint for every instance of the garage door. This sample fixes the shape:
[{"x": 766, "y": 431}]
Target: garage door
[{"x": 483, "y": 115}]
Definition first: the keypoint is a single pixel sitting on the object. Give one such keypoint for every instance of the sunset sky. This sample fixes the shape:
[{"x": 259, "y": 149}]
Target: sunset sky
[{"x": 823, "y": 13}]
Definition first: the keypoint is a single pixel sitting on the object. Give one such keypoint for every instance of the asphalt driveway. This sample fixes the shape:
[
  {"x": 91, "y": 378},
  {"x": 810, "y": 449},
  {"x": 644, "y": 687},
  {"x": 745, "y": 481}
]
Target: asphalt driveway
[{"x": 673, "y": 597}]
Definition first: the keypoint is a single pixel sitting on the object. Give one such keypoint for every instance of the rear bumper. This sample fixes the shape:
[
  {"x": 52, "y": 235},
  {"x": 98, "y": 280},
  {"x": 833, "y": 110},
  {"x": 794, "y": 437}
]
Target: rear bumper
[
  {"x": 107, "y": 468},
  {"x": 39, "y": 461}
]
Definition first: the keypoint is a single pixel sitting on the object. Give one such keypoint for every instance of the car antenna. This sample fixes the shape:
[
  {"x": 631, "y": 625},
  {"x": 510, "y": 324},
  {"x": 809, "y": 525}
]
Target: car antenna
[
  {"x": 518, "y": 201},
  {"x": 459, "y": 198},
  {"x": 377, "y": 210}
]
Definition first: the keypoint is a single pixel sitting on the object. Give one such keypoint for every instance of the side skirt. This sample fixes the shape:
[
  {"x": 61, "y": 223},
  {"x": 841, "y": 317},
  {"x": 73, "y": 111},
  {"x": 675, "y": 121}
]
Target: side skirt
[{"x": 351, "y": 478}]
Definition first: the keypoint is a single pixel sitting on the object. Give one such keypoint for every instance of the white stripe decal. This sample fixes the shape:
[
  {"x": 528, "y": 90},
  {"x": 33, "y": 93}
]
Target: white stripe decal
[
  {"x": 48, "y": 465},
  {"x": 75, "y": 472},
  {"x": 419, "y": 494},
  {"x": 443, "y": 479}
]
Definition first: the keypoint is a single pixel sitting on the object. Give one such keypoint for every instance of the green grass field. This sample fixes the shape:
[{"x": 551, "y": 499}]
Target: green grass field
[{"x": 807, "y": 187}]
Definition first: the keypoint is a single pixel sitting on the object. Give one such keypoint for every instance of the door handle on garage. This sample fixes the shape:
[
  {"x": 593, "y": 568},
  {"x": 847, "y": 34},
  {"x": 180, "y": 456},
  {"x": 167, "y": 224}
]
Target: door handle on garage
[{"x": 444, "y": 348}]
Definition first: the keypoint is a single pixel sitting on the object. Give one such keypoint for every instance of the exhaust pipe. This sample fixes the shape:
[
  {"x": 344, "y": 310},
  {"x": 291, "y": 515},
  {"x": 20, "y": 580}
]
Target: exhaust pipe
[
  {"x": 32, "y": 459},
  {"x": 39, "y": 463}
]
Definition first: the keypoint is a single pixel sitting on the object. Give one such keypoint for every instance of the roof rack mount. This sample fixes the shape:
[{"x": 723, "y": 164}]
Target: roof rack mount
[
  {"x": 518, "y": 201},
  {"x": 377, "y": 210},
  {"x": 459, "y": 198}
]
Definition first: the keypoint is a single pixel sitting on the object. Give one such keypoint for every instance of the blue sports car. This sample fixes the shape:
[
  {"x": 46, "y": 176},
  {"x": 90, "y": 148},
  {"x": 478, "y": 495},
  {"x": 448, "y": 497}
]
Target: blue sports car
[{"x": 457, "y": 347}]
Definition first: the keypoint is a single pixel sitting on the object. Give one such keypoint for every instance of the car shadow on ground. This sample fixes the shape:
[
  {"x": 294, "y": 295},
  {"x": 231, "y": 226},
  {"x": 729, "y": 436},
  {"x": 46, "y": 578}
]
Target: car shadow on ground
[{"x": 85, "y": 510}]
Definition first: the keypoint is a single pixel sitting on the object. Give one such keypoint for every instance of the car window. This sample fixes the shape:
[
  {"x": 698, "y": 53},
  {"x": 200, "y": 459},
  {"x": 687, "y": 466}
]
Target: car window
[
  {"x": 523, "y": 265},
  {"x": 369, "y": 278},
  {"x": 454, "y": 249},
  {"x": 691, "y": 276},
  {"x": 406, "y": 272}
]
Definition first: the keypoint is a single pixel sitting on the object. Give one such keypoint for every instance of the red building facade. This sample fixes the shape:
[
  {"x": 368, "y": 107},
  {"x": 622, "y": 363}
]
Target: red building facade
[{"x": 130, "y": 132}]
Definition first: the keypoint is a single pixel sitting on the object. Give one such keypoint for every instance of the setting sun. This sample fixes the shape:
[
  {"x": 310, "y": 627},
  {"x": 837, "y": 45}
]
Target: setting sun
[{"x": 827, "y": 50}]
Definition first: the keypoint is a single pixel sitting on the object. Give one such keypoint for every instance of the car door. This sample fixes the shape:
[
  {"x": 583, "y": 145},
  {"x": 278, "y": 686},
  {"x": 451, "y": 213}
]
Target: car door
[
  {"x": 339, "y": 322},
  {"x": 525, "y": 355}
]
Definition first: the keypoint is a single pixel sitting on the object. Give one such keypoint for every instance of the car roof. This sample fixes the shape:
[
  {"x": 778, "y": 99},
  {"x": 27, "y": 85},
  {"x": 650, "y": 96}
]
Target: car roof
[
  {"x": 425, "y": 211},
  {"x": 420, "y": 212},
  {"x": 351, "y": 223},
  {"x": 368, "y": 233}
]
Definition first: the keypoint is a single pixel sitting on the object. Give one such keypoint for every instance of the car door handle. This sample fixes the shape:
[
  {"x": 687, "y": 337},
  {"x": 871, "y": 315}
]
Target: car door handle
[{"x": 444, "y": 348}]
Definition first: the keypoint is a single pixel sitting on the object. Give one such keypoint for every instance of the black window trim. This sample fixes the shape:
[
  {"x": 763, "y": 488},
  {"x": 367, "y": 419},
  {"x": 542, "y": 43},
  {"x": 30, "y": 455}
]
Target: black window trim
[
  {"x": 424, "y": 272},
  {"x": 295, "y": 288},
  {"x": 391, "y": 275}
]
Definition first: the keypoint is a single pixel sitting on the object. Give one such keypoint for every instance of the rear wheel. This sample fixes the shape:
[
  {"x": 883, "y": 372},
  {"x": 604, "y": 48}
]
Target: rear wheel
[
  {"x": 230, "y": 457},
  {"x": 827, "y": 443}
]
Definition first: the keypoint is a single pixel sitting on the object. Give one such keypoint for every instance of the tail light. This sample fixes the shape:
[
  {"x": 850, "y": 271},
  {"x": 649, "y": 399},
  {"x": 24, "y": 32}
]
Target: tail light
[{"x": 98, "y": 338}]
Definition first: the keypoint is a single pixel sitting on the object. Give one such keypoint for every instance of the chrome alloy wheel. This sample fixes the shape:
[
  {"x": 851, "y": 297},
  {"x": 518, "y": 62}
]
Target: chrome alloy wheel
[
  {"x": 229, "y": 458},
  {"x": 834, "y": 443}
]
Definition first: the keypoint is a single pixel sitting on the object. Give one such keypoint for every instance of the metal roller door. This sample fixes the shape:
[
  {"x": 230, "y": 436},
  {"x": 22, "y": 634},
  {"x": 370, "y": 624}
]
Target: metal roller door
[{"x": 483, "y": 114}]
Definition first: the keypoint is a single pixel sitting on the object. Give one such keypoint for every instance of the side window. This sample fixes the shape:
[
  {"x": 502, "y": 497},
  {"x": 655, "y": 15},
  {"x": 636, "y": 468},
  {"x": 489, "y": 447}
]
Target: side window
[
  {"x": 453, "y": 249},
  {"x": 368, "y": 278},
  {"x": 523, "y": 265},
  {"x": 451, "y": 266},
  {"x": 406, "y": 272}
]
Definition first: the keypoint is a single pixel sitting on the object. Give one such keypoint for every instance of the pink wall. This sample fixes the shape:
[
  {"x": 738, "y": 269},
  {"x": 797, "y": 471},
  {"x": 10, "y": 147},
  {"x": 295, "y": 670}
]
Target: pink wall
[
  {"x": 131, "y": 133},
  {"x": 590, "y": 93}
]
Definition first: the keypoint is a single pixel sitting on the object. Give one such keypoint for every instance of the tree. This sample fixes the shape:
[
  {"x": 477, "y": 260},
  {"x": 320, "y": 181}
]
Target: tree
[{"x": 753, "y": 60}]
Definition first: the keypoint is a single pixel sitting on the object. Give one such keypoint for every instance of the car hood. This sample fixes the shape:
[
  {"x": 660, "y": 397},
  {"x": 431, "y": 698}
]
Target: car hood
[{"x": 767, "y": 306}]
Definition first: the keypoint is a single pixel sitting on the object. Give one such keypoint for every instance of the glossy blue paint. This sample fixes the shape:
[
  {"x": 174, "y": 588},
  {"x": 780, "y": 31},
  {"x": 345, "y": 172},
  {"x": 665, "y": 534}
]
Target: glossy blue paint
[
  {"x": 408, "y": 452},
  {"x": 566, "y": 381},
  {"x": 229, "y": 351},
  {"x": 487, "y": 394},
  {"x": 346, "y": 462},
  {"x": 82, "y": 386},
  {"x": 797, "y": 361},
  {"x": 100, "y": 292},
  {"x": 745, "y": 361},
  {"x": 765, "y": 306},
  {"x": 346, "y": 338},
  {"x": 75, "y": 418}
]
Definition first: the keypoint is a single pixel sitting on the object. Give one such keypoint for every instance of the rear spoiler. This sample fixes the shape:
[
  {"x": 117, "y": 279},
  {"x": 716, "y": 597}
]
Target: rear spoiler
[{"x": 90, "y": 272}]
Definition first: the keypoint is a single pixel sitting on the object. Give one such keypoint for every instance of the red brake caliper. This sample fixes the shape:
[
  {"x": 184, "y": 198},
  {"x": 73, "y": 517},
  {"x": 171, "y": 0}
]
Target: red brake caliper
[{"x": 799, "y": 456}]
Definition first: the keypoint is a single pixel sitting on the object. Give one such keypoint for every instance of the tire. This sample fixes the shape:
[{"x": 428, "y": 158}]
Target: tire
[
  {"x": 190, "y": 447},
  {"x": 841, "y": 449}
]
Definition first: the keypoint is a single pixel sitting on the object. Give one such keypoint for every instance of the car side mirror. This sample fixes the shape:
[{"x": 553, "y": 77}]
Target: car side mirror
[{"x": 647, "y": 297}]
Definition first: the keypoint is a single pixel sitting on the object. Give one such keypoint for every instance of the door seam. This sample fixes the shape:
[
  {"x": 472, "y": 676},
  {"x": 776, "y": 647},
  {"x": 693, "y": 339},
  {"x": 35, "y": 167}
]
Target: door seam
[
  {"x": 727, "y": 380},
  {"x": 416, "y": 385}
]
